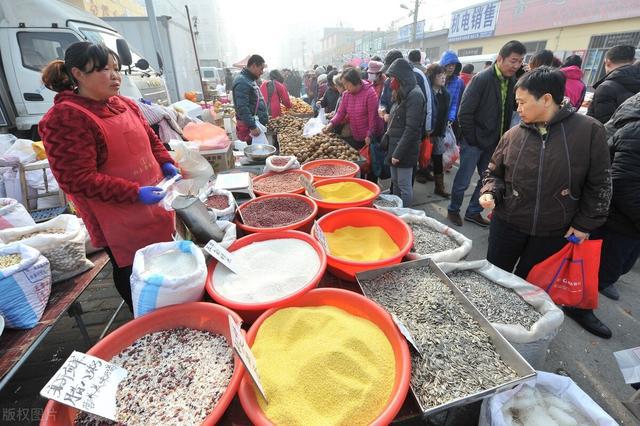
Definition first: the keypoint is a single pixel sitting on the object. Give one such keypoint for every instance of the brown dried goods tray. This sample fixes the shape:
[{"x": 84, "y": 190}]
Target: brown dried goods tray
[{"x": 510, "y": 356}]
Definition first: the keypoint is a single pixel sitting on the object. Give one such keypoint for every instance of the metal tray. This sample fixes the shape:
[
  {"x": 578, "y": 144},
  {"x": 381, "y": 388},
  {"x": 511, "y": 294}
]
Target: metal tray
[{"x": 509, "y": 355}]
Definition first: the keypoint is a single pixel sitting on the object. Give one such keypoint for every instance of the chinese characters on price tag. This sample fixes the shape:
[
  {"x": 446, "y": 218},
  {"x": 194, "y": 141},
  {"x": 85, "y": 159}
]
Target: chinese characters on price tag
[
  {"x": 221, "y": 255},
  {"x": 311, "y": 190},
  {"x": 86, "y": 383},
  {"x": 320, "y": 236},
  {"x": 246, "y": 356}
]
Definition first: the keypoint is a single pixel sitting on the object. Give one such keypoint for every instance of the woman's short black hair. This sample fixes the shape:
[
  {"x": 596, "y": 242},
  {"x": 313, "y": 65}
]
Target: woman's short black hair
[
  {"x": 573, "y": 60},
  {"x": 541, "y": 58},
  {"x": 433, "y": 70},
  {"x": 276, "y": 75},
  {"x": 330, "y": 76},
  {"x": 543, "y": 80},
  {"x": 85, "y": 56},
  {"x": 352, "y": 75}
]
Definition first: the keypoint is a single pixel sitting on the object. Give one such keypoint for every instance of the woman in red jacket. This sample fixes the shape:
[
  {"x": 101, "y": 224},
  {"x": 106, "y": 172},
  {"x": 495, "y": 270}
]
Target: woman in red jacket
[
  {"x": 105, "y": 157},
  {"x": 275, "y": 93}
]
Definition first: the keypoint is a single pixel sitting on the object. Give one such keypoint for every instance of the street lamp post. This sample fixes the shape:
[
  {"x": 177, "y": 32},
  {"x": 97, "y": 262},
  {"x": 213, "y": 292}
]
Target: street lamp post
[{"x": 413, "y": 12}]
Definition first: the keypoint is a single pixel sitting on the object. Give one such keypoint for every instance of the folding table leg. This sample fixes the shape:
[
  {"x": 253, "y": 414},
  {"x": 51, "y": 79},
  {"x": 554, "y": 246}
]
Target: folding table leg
[{"x": 75, "y": 311}]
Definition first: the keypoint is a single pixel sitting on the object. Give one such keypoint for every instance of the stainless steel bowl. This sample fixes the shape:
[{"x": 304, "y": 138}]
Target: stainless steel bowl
[{"x": 259, "y": 152}]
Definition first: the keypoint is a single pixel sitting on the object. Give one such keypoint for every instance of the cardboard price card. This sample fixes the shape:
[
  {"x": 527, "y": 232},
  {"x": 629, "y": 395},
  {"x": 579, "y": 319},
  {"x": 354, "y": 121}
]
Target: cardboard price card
[
  {"x": 222, "y": 255},
  {"x": 243, "y": 350},
  {"x": 311, "y": 190},
  {"x": 86, "y": 383},
  {"x": 319, "y": 233}
]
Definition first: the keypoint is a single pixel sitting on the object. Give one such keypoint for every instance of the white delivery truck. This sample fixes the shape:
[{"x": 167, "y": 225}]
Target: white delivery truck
[{"x": 35, "y": 32}]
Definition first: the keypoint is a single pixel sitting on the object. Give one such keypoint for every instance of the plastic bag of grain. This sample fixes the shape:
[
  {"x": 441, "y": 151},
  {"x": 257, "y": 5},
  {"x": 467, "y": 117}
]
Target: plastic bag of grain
[
  {"x": 25, "y": 285},
  {"x": 531, "y": 343},
  {"x": 387, "y": 201},
  {"x": 225, "y": 213},
  {"x": 281, "y": 163},
  {"x": 167, "y": 274},
  {"x": 13, "y": 214},
  {"x": 61, "y": 240},
  {"x": 549, "y": 399},
  {"x": 436, "y": 240}
]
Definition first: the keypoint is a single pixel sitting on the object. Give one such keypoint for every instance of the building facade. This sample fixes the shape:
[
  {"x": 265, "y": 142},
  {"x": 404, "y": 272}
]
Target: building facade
[{"x": 566, "y": 27}]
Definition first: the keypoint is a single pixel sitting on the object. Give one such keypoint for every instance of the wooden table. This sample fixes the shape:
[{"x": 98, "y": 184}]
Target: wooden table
[{"x": 17, "y": 345}]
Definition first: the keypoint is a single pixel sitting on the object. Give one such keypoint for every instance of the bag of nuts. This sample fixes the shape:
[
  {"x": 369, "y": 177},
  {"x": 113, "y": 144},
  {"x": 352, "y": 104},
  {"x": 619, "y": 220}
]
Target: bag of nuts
[
  {"x": 25, "y": 284},
  {"x": 281, "y": 163},
  {"x": 61, "y": 240}
]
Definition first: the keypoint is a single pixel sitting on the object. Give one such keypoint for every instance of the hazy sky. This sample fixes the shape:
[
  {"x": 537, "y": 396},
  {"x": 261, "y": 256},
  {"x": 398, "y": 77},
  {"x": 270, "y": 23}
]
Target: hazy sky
[{"x": 273, "y": 27}]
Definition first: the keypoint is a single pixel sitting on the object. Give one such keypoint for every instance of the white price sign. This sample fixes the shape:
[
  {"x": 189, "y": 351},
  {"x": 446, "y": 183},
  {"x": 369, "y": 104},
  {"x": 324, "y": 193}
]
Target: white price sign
[
  {"x": 86, "y": 383},
  {"x": 222, "y": 255},
  {"x": 319, "y": 233},
  {"x": 244, "y": 352},
  {"x": 311, "y": 190},
  {"x": 406, "y": 333}
]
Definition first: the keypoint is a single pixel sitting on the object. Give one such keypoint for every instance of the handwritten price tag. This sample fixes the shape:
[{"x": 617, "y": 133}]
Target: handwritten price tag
[
  {"x": 86, "y": 383},
  {"x": 406, "y": 333},
  {"x": 221, "y": 255},
  {"x": 319, "y": 233},
  {"x": 246, "y": 356},
  {"x": 311, "y": 190}
]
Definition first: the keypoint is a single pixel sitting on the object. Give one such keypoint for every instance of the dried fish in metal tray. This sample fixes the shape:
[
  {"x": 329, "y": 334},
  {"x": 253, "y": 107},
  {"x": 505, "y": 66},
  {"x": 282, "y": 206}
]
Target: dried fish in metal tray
[{"x": 464, "y": 358}]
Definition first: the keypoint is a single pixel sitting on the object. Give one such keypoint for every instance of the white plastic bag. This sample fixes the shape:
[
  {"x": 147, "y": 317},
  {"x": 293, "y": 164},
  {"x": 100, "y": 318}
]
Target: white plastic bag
[
  {"x": 531, "y": 344},
  {"x": 292, "y": 163},
  {"x": 225, "y": 214},
  {"x": 451, "y": 149},
  {"x": 312, "y": 127},
  {"x": 167, "y": 274},
  {"x": 13, "y": 214},
  {"x": 452, "y": 255},
  {"x": 230, "y": 234},
  {"x": 24, "y": 287},
  {"x": 391, "y": 199},
  {"x": 23, "y": 150},
  {"x": 192, "y": 165},
  {"x": 562, "y": 387},
  {"x": 262, "y": 138},
  {"x": 322, "y": 116},
  {"x": 88, "y": 245},
  {"x": 61, "y": 240},
  {"x": 6, "y": 140}
]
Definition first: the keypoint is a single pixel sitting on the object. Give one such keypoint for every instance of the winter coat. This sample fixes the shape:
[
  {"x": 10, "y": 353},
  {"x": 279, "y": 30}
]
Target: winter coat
[
  {"x": 623, "y": 131},
  {"x": 279, "y": 96},
  {"x": 362, "y": 110},
  {"x": 406, "y": 122},
  {"x": 248, "y": 100},
  {"x": 574, "y": 88},
  {"x": 441, "y": 108},
  {"x": 330, "y": 99},
  {"x": 293, "y": 83},
  {"x": 480, "y": 110},
  {"x": 76, "y": 149},
  {"x": 466, "y": 78},
  {"x": 544, "y": 184},
  {"x": 614, "y": 88},
  {"x": 455, "y": 85},
  {"x": 425, "y": 87}
]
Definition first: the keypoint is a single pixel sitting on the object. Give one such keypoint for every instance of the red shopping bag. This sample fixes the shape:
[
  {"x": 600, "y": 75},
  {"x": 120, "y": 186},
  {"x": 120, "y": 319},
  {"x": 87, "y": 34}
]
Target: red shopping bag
[
  {"x": 364, "y": 153},
  {"x": 570, "y": 276},
  {"x": 426, "y": 147}
]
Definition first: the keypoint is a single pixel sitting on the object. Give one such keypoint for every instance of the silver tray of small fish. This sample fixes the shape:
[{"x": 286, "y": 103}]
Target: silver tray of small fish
[{"x": 461, "y": 357}]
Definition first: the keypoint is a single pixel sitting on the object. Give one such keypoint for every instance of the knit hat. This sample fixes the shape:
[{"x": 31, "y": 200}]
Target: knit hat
[
  {"x": 320, "y": 70},
  {"x": 322, "y": 78},
  {"x": 392, "y": 55},
  {"x": 375, "y": 67}
]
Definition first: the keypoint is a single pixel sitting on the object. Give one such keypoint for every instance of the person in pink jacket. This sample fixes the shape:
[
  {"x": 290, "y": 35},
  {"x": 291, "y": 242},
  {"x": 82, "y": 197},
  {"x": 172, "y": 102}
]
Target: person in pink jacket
[
  {"x": 275, "y": 93},
  {"x": 360, "y": 106},
  {"x": 574, "y": 88}
]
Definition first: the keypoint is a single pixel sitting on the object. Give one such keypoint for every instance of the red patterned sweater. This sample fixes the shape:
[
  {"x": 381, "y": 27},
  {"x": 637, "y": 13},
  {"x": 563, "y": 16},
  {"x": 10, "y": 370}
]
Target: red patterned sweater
[{"x": 76, "y": 148}]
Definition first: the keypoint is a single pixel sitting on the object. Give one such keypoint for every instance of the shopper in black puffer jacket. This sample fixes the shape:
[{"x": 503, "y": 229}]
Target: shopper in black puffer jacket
[
  {"x": 621, "y": 233},
  {"x": 621, "y": 82},
  {"x": 405, "y": 128}
]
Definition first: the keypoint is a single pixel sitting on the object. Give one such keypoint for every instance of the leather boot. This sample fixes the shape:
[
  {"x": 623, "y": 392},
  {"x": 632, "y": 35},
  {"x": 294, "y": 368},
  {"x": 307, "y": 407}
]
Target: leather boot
[{"x": 439, "y": 186}]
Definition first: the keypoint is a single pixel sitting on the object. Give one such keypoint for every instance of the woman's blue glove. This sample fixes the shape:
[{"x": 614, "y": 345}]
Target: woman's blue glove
[
  {"x": 150, "y": 194},
  {"x": 169, "y": 170}
]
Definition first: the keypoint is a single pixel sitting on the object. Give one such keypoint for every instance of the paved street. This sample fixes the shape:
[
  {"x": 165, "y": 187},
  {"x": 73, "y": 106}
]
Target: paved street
[{"x": 587, "y": 359}]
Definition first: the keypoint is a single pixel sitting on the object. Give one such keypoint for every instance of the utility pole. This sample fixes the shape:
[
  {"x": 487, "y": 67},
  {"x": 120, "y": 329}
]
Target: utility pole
[
  {"x": 415, "y": 21},
  {"x": 195, "y": 51}
]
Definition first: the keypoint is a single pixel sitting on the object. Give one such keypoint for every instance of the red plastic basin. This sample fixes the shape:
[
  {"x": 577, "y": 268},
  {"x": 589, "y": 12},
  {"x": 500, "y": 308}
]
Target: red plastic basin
[
  {"x": 250, "y": 311},
  {"x": 294, "y": 171},
  {"x": 397, "y": 229},
  {"x": 303, "y": 225},
  {"x": 357, "y": 305},
  {"x": 325, "y": 207},
  {"x": 331, "y": 162},
  {"x": 196, "y": 315}
]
